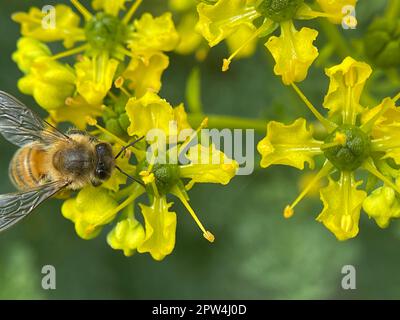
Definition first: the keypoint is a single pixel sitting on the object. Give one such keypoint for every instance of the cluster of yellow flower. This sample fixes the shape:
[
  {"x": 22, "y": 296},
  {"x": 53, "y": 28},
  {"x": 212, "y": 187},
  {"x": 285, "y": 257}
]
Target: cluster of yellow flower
[
  {"x": 116, "y": 75},
  {"x": 293, "y": 50},
  {"x": 356, "y": 136}
]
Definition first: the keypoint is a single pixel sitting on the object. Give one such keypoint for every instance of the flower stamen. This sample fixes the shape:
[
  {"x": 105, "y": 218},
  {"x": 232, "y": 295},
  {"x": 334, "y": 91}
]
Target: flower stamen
[
  {"x": 325, "y": 170},
  {"x": 330, "y": 126},
  {"x": 182, "y": 148},
  {"x": 131, "y": 11},
  {"x": 84, "y": 12},
  {"x": 93, "y": 122},
  {"x": 207, "y": 234},
  {"x": 339, "y": 140},
  {"x": 70, "y": 52},
  {"x": 227, "y": 61}
]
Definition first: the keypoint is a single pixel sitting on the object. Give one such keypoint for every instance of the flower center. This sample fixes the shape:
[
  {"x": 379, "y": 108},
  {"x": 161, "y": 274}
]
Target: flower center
[
  {"x": 166, "y": 176},
  {"x": 353, "y": 152},
  {"x": 105, "y": 32},
  {"x": 278, "y": 10}
]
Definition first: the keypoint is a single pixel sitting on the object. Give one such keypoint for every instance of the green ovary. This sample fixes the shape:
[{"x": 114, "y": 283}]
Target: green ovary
[
  {"x": 105, "y": 32},
  {"x": 353, "y": 153},
  {"x": 279, "y": 10}
]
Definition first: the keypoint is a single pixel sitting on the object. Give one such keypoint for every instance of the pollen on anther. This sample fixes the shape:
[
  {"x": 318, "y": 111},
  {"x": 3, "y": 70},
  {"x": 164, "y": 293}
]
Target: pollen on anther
[
  {"x": 119, "y": 82},
  {"x": 225, "y": 65},
  {"x": 209, "y": 236},
  {"x": 288, "y": 212},
  {"x": 91, "y": 121}
]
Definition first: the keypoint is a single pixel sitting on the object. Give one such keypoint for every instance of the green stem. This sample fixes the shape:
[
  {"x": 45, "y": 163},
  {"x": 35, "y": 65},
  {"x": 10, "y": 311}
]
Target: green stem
[
  {"x": 392, "y": 10},
  {"x": 230, "y": 122},
  {"x": 335, "y": 36}
]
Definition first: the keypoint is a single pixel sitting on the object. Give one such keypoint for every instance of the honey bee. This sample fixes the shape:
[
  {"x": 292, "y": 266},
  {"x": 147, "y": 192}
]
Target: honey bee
[{"x": 48, "y": 160}]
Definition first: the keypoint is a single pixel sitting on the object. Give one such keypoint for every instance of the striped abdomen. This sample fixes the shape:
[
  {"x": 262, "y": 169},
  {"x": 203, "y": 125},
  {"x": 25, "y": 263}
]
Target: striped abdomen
[{"x": 27, "y": 167}]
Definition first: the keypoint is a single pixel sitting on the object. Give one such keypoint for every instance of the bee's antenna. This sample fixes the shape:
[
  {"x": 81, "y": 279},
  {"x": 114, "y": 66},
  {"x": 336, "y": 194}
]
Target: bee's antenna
[
  {"x": 130, "y": 177},
  {"x": 127, "y": 146}
]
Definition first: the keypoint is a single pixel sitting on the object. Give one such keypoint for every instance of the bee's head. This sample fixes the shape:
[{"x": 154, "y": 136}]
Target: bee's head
[{"x": 105, "y": 161}]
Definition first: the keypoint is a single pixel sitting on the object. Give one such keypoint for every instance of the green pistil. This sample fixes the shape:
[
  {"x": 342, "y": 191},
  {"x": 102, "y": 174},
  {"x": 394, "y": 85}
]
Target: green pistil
[
  {"x": 279, "y": 10},
  {"x": 355, "y": 150},
  {"x": 105, "y": 32}
]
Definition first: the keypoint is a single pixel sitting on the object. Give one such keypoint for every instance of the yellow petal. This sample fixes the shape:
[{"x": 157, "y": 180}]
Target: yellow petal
[
  {"x": 127, "y": 235},
  {"x": 342, "y": 206},
  {"x": 66, "y": 25},
  {"x": 208, "y": 165},
  {"x": 190, "y": 39},
  {"x": 28, "y": 50},
  {"x": 111, "y": 7},
  {"x": 293, "y": 52},
  {"x": 154, "y": 34},
  {"x": 218, "y": 21},
  {"x": 50, "y": 82},
  {"x": 290, "y": 145},
  {"x": 181, "y": 119},
  {"x": 149, "y": 112},
  {"x": 347, "y": 82},
  {"x": 144, "y": 72},
  {"x": 76, "y": 110},
  {"x": 160, "y": 225},
  {"x": 95, "y": 77},
  {"x": 86, "y": 214},
  {"x": 382, "y": 205},
  {"x": 385, "y": 117},
  {"x": 335, "y": 8}
]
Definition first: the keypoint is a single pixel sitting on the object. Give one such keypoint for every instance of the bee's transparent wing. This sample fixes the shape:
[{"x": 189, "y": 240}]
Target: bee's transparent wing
[
  {"x": 16, "y": 206},
  {"x": 20, "y": 125}
]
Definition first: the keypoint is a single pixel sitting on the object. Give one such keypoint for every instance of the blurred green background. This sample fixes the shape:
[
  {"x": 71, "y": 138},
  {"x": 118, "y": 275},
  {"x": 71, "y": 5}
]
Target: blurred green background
[{"x": 257, "y": 253}]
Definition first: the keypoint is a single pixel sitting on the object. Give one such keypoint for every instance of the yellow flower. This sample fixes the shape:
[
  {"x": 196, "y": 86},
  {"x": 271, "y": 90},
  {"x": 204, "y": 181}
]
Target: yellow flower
[
  {"x": 220, "y": 20},
  {"x": 28, "y": 51},
  {"x": 382, "y": 205},
  {"x": 65, "y": 28},
  {"x": 95, "y": 77},
  {"x": 76, "y": 110},
  {"x": 89, "y": 216},
  {"x": 293, "y": 50},
  {"x": 167, "y": 175},
  {"x": 105, "y": 41},
  {"x": 127, "y": 235},
  {"x": 160, "y": 226},
  {"x": 154, "y": 34},
  {"x": 357, "y": 138},
  {"x": 50, "y": 83},
  {"x": 151, "y": 112},
  {"x": 145, "y": 72}
]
